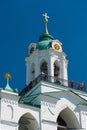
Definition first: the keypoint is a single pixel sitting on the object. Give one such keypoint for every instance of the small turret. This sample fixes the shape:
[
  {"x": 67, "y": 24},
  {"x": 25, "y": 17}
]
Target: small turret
[{"x": 8, "y": 77}]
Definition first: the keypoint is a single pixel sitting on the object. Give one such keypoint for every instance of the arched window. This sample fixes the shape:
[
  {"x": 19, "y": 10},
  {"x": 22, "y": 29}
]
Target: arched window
[
  {"x": 67, "y": 120},
  {"x": 56, "y": 69},
  {"x": 32, "y": 50},
  {"x": 44, "y": 68},
  {"x": 10, "y": 112},
  {"x": 32, "y": 71},
  {"x": 27, "y": 122},
  {"x": 61, "y": 124}
]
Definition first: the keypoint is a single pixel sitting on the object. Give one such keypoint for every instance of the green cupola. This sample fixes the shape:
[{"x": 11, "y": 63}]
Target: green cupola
[
  {"x": 8, "y": 88},
  {"x": 44, "y": 42}
]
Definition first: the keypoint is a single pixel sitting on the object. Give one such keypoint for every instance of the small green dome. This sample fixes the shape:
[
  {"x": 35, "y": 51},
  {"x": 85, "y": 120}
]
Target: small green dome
[
  {"x": 44, "y": 42},
  {"x": 8, "y": 88}
]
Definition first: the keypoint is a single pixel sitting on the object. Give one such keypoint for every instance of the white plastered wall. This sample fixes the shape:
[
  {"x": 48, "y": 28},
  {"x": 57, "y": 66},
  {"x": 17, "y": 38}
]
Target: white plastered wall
[
  {"x": 11, "y": 111},
  {"x": 50, "y": 56}
]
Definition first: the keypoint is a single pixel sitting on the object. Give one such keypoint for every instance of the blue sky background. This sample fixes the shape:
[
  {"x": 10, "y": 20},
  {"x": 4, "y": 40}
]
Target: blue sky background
[{"x": 21, "y": 23}]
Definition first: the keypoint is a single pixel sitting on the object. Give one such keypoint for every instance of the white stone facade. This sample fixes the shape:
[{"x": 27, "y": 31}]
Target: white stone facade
[
  {"x": 67, "y": 104},
  {"x": 46, "y": 105},
  {"x": 33, "y": 63},
  {"x": 12, "y": 111}
]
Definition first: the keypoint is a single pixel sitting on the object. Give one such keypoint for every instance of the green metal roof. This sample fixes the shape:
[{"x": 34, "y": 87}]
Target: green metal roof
[
  {"x": 36, "y": 99},
  {"x": 44, "y": 42},
  {"x": 45, "y": 37}
]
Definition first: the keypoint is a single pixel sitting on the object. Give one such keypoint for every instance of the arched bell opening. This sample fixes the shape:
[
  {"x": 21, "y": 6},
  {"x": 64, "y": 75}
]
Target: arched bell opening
[
  {"x": 27, "y": 122},
  {"x": 32, "y": 72},
  {"x": 67, "y": 120},
  {"x": 56, "y": 70},
  {"x": 32, "y": 50},
  {"x": 44, "y": 68}
]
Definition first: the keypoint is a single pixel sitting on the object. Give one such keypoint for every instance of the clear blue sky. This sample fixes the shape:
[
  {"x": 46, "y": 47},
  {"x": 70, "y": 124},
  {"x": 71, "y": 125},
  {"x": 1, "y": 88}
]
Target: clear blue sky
[{"x": 21, "y": 23}]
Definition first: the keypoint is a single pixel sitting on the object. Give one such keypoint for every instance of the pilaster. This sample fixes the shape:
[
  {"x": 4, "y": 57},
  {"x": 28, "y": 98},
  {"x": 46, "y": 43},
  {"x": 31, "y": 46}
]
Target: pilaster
[
  {"x": 37, "y": 67},
  {"x": 51, "y": 68}
]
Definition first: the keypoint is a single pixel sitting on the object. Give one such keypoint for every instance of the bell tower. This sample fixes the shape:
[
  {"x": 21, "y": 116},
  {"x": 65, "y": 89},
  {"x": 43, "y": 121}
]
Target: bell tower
[{"x": 47, "y": 58}]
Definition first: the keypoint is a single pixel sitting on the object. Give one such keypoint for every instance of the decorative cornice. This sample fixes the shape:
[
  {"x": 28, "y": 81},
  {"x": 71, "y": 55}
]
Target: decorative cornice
[
  {"x": 9, "y": 93},
  {"x": 48, "y": 104},
  {"x": 49, "y": 122},
  {"x": 12, "y": 102},
  {"x": 9, "y": 123}
]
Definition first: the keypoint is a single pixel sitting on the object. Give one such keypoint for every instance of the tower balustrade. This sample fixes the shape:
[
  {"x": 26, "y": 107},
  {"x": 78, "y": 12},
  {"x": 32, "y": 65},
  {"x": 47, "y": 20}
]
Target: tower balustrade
[{"x": 55, "y": 80}]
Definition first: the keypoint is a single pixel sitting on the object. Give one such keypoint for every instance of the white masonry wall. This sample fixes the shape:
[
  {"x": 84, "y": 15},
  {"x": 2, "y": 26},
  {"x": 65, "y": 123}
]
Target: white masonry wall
[
  {"x": 11, "y": 111},
  {"x": 50, "y": 56}
]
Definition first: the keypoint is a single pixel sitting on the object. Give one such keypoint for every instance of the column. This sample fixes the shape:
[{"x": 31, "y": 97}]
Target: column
[
  {"x": 63, "y": 72},
  {"x": 51, "y": 69},
  {"x": 27, "y": 72},
  {"x": 37, "y": 67}
]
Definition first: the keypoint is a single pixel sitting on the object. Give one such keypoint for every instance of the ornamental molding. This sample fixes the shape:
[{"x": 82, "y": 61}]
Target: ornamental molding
[
  {"x": 62, "y": 104},
  {"x": 9, "y": 123},
  {"x": 84, "y": 113},
  {"x": 51, "y": 112},
  {"x": 49, "y": 122},
  {"x": 49, "y": 105},
  {"x": 9, "y": 101}
]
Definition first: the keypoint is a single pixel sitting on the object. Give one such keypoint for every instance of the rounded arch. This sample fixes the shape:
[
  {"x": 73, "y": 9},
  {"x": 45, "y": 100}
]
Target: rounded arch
[
  {"x": 27, "y": 122},
  {"x": 32, "y": 48},
  {"x": 67, "y": 120},
  {"x": 44, "y": 67},
  {"x": 56, "y": 69},
  {"x": 32, "y": 71}
]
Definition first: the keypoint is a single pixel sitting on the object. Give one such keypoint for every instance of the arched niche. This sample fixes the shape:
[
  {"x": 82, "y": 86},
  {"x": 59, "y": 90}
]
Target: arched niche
[
  {"x": 10, "y": 112},
  {"x": 32, "y": 70},
  {"x": 27, "y": 122},
  {"x": 32, "y": 48},
  {"x": 56, "y": 69},
  {"x": 44, "y": 67},
  {"x": 67, "y": 120}
]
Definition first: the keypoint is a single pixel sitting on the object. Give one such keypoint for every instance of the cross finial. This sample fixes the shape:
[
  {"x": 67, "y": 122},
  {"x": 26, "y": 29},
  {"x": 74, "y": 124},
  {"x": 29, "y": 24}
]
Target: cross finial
[
  {"x": 46, "y": 21},
  {"x": 45, "y": 17}
]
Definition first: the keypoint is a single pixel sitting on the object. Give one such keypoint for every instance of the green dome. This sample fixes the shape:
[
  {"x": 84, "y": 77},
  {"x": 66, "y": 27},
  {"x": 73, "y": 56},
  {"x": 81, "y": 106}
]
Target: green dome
[
  {"x": 8, "y": 88},
  {"x": 44, "y": 42}
]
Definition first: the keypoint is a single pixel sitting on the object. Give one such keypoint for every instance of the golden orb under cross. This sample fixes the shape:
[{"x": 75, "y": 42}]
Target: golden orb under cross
[{"x": 8, "y": 76}]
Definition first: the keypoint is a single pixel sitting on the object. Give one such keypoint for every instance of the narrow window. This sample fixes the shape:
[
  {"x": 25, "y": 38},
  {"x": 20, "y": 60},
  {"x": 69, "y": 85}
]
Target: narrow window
[
  {"x": 31, "y": 50},
  {"x": 56, "y": 70},
  {"x": 44, "y": 68}
]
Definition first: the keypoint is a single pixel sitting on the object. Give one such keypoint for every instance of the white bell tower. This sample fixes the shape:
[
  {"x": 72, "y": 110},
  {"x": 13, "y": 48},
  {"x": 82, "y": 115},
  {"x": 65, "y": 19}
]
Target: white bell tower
[{"x": 46, "y": 57}]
